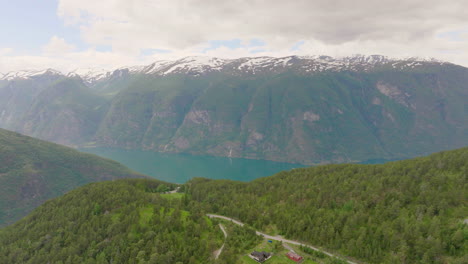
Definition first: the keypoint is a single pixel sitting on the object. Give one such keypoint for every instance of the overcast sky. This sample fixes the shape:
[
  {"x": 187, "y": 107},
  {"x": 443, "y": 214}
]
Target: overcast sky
[{"x": 69, "y": 34}]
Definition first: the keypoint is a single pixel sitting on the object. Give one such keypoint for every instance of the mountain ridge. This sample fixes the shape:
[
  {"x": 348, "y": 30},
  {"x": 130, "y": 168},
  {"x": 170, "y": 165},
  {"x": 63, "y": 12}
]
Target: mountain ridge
[
  {"x": 197, "y": 65},
  {"x": 280, "y": 109}
]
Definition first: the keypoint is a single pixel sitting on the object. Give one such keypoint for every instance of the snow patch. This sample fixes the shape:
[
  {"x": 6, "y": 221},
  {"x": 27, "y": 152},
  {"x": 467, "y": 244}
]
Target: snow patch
[
  {"x": 26, "y": 74},
  {"x": 252, "y": 63},
  {"x": 196, "y": 65},
  {"x": 90, "y": 75}
]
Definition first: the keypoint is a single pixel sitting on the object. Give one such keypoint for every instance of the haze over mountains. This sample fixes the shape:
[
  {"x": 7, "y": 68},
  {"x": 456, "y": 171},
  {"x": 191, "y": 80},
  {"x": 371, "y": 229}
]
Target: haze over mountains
[
  {"x": 296, "y": 109},
  {"x": 33, "y": 171}
]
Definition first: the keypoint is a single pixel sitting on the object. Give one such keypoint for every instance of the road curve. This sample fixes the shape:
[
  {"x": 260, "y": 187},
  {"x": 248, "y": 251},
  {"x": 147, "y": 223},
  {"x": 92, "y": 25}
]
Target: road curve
[
  {"x": 277, "y": 238},
  {"x": 219, "y": 251}
]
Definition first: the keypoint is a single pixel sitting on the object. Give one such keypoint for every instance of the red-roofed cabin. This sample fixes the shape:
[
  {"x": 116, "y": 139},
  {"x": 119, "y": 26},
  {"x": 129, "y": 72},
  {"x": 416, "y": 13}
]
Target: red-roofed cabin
[{"x": 294, "y": 256}]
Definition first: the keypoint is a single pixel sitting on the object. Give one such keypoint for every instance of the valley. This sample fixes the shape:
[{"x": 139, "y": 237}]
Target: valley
[
  {"x": 234, "y": 132},
  {"x": 295, "y": 109},
  {"x": 412, "y": 210}
]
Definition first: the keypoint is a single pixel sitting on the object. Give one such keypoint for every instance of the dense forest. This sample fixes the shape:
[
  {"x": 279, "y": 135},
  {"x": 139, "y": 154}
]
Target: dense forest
[
  {"x": 410, "y": 211},
  {"x": 33, "y": 170},
  {"x": 123, "y": 221}
]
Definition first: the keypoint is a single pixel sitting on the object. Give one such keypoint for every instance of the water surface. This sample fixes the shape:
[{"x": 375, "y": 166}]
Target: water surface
[{"x": 179, "y": 168}]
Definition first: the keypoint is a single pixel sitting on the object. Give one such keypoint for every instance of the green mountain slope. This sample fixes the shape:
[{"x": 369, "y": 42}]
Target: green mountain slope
[
  {"x": 67, "y": 112},
  {"x": 18, "y": 95},
  {"x": 32, "y": 171},
  {"x": 111, "y": 222},
  {"x": 317, "y": 118},
  {"x": 411, "y": 211},
  {"x": 289, "y": 109}
]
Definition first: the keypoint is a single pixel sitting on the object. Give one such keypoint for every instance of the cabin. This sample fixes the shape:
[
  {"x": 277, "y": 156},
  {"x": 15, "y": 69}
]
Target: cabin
[
  {"x": 260, "y": 257},
  {"x": 293, "y": 256}
]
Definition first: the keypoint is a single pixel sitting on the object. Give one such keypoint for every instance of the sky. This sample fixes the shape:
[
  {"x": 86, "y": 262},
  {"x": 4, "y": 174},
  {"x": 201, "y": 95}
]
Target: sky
[{"x": 70, "y": 34}]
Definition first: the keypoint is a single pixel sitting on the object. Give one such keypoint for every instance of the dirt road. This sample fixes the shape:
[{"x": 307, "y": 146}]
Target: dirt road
[{"x": 279, "y": 238}]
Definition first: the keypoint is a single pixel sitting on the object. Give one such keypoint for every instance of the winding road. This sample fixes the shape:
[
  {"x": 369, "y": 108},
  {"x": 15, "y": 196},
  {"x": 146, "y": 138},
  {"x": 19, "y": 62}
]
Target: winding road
[
  {"x": 279, "y": 238},
  {"x": 219, "y": 251}
]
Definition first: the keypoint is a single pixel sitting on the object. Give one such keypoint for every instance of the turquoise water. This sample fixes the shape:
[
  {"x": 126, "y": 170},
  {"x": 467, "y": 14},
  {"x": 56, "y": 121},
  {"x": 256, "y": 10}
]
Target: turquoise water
[{"x": 179, "y": 168}]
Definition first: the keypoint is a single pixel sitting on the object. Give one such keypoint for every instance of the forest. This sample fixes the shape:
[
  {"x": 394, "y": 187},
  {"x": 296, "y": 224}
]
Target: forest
[
  {"x": 411, "y": 211},
  {"x": 123, "y": 221}
]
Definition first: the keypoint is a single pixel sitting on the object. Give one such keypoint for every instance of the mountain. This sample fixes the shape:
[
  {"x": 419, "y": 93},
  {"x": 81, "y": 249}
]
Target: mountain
[
  {"x": 411, "y": 211},
  {"x": 307, "y": 110},
  {"x": 71, "y": 118},
  {"x": 32, "y": 171},
  {"x": 111, "y": 222},
  {"x": 19, "y": 91}
]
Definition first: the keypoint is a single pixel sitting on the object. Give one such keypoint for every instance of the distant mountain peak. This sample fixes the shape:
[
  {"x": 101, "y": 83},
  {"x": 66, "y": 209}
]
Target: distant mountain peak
[
  {"x": 308, "y": 64},
  {"x": 26, "y": 74},
  {"x": 199, "y": 65},
  {"x": 89, "y": 75}
]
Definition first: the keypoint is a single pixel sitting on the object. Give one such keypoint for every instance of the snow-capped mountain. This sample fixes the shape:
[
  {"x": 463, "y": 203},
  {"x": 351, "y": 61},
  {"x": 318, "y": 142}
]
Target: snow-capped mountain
[
  {"x": 26, "y": 74},
  {"x": 89, "y": 75},
  {"x": 198, "y": 65},
  {"x": 301, "y": 109},
  {"x": 202, "y": 65}
]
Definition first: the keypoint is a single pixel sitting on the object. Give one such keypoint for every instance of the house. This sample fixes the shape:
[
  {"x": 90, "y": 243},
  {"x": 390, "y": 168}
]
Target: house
[
  {"x": 260, "y": 256},
  {"x": 293, "y": 256}
]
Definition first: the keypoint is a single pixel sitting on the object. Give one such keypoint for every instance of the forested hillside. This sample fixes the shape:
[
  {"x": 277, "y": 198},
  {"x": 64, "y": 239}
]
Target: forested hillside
[
  {"x": 123, "y": 221},
  {"x": 410, "y": 211},
  {"x": 32, "y": 171}
]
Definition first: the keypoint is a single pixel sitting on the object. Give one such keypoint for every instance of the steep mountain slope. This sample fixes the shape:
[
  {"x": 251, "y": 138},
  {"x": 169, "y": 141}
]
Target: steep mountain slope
[
  {"x": 296, "y": 109},
  {"x": 296, "y": 117},
  {"x": 32, "y": 171},
  {"x": 67, "y": 112},
  {"x": 411, "y": 211},
  {"x": 17, "y": 94}
]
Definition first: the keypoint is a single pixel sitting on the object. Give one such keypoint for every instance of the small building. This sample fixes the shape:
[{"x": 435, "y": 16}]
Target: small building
[
  {"x": 260, "y": 256},
  {"x": 293, "y": 256}
]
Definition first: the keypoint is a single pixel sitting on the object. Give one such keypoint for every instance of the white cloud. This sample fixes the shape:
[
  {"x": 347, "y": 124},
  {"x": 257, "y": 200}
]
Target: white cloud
[
  {"x": 396, "y": 28},
  {"x": 57, "y": 46},
  {"x": 183, "y": 23},
  {"x": 68, "y": 62},
  {"x": 339, "y": 26},
  {"x": 5, "y": 51}
]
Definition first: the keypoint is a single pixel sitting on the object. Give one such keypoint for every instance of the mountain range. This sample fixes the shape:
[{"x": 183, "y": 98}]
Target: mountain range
[{"x": 308, "y": 110}]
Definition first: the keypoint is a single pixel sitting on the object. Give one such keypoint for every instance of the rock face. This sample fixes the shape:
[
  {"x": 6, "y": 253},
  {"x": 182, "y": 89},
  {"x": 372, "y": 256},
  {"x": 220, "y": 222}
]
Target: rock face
[{"x": 296, "y": 109}]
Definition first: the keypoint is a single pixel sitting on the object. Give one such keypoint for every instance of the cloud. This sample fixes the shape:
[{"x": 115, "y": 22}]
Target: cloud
[
  {"x": 184, "y": 23},
  {"x": 5, "y": 51},
  {"x": 397, "y": 28},
  {"x": 70, "y": 61},
  {"x": 57, "y": 46}
]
